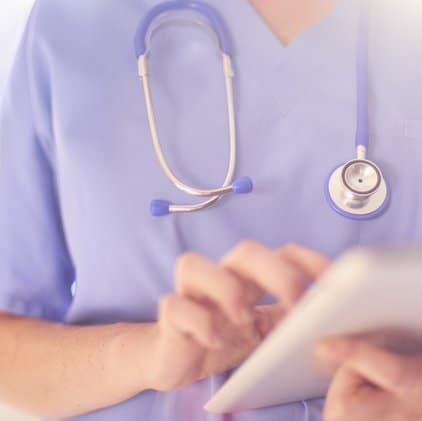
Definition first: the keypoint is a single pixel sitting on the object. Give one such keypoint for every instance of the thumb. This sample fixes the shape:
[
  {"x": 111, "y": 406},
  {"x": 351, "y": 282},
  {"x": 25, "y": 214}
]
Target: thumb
[
  {"x": 267, "y": 316},
  {"x": 388, "y": 371}
]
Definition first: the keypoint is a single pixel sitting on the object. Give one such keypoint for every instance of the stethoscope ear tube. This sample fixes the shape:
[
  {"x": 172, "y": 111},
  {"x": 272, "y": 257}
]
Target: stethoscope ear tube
[
  {"x": 159, "y": 207},
  {"x": 208, "y": 12},
  {"x": 242, "y": 185}
]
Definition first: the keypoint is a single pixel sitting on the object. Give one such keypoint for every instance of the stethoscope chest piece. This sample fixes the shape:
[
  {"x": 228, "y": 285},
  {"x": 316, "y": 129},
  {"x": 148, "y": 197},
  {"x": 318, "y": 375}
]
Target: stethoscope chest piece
[{"x": 358, "y": 190}]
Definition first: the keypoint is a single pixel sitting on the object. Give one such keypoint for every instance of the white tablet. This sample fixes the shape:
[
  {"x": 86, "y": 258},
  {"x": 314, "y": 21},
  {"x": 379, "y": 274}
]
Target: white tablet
[{"x": 366, "y": 290}]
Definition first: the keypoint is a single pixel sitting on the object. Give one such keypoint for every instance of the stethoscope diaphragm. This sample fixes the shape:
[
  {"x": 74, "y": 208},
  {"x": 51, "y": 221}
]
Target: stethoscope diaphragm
[{"x": 357, "y": 190}]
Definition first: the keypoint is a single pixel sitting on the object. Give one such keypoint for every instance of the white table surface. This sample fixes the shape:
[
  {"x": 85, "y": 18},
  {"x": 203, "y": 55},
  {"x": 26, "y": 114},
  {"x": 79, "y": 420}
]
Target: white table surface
[{"x": 13, "y": 15}]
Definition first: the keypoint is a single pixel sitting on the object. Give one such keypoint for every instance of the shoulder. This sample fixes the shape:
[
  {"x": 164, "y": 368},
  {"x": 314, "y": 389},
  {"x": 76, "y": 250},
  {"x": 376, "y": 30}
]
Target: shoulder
[
  {"x": 72, "y": 11},
  {"x": 81, "y": 23}
]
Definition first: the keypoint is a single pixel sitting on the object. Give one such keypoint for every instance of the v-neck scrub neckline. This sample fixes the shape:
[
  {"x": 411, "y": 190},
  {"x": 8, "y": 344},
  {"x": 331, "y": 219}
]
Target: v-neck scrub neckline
[
  {"x": 292, "y": 69},
  {"x": 303, "y": 33}
]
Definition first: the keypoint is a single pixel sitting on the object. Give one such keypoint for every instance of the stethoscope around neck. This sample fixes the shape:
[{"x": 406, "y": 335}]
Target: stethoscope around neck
[{"x": 356, "y": 189}]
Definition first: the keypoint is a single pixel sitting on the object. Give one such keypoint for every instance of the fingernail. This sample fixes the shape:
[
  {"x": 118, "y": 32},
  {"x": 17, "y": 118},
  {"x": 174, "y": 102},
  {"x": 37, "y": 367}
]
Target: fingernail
[{"x": 335, "y": 350}]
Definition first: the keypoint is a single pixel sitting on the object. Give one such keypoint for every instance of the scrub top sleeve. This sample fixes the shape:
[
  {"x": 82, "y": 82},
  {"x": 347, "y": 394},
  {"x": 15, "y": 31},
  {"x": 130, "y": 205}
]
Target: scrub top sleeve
[{"x": 36, "y": 271}]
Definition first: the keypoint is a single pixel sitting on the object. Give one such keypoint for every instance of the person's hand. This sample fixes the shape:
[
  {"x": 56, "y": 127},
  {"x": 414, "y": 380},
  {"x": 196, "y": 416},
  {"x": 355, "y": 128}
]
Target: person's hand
[
  {"x": 371, "y": 384},
  {"x": 211, "y": 323}
]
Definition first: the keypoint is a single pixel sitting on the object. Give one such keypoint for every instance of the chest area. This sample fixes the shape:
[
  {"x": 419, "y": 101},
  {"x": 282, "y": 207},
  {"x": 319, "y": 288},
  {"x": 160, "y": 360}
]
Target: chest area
[{"x": 295, "y": 121}]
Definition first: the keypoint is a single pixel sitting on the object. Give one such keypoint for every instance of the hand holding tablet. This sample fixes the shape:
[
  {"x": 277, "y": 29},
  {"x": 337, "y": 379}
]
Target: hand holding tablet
[{"x": 366, "y": 291}]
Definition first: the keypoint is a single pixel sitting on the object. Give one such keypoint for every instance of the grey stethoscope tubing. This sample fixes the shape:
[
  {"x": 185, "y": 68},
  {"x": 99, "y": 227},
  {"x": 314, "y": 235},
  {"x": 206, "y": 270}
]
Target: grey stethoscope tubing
[{"x": 241, "y": 185}]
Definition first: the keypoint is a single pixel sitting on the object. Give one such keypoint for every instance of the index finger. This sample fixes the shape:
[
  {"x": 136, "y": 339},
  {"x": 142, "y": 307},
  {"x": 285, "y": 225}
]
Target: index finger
[
  {"x": 267, "y": 271},
  {"x": 308, "y": 261}
]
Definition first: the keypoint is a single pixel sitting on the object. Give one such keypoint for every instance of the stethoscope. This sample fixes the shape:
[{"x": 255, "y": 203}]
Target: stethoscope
[{"x": 356, "y": 189}]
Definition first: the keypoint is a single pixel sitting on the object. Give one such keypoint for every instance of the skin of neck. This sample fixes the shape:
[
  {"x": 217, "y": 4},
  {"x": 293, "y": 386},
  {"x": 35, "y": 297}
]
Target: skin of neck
[{"x": 288, "y": 18}]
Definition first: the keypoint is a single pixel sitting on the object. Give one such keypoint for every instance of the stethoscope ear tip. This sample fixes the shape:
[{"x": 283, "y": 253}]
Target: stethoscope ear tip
[
  {"x": 242, "y": 185},
  {"x": 159, "y": 207}
]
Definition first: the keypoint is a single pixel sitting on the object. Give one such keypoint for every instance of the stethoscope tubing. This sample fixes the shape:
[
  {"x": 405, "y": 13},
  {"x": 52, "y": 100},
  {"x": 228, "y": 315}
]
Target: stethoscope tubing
[
  {"x": 226, "y": 188},
  {"x": 208, "y": 12},
  {"x": 362, "y": 78},
  {"x": 342, "y": 195},
  {"x": 243, "y": 184}
]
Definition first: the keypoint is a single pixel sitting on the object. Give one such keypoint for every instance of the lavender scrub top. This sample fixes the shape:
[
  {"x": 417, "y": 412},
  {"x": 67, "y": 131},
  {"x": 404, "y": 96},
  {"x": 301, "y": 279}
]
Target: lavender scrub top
[{"x": 77, "y": 167}]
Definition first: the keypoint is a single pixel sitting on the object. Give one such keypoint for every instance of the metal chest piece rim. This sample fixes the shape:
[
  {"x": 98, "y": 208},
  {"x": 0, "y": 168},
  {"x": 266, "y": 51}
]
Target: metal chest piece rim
[{"x": 358, "y": 190}]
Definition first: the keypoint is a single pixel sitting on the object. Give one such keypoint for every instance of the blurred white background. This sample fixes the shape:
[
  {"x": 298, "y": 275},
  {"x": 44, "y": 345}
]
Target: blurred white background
[
  {"x": 7, "y": 414},
  {"x": 13, "y": 14}
]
